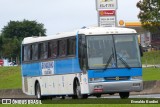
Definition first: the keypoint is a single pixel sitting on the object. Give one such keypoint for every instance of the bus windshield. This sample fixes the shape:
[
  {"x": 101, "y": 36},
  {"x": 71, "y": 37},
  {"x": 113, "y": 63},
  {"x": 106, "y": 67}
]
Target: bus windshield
[{"x": 113, "y": 51}]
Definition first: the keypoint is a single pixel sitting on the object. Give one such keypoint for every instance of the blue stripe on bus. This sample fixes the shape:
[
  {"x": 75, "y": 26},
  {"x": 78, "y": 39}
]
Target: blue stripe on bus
[
  {"x": 115, "y": 72},
  {"x": 60, "y": 67},
  {"x": 33, "y": 69},
  {"x": 67, "y": 66}
]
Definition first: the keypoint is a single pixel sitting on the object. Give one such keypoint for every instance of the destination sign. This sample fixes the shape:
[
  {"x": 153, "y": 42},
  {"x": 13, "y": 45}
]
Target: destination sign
[{"x": 47, "y": 68}]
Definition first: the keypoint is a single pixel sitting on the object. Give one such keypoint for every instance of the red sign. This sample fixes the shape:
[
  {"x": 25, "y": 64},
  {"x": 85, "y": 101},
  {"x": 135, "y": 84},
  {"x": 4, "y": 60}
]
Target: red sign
[
  {"x": 107, "y": 13},
  {"x": 1, "y": 62}
]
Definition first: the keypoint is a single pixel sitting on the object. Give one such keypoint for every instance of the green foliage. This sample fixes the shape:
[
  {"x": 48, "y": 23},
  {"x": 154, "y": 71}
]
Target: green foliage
[
  {"x": 151, "y": 58},
  {"x": 13, "y": 34},
  {"x": 149, "y": 14},
  {"x": 10, "y": 77},
  {"x": 151, "y": 74},
  {"x": 83, "y": 105},
  {"x": 21, "y": 29},
  {"x": 1, "y": 46},
  {"x": 11, "y": 47}
]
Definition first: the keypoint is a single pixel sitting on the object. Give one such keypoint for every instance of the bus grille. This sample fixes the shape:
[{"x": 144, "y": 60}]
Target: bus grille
[{"x": 116, "y": 78}]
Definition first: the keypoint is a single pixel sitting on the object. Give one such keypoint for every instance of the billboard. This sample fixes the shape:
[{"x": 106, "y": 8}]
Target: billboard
[
  {"x": 107, "y": 13},
  {"x": 107, "y": 21},
  {"x": 106, "y": 4}
]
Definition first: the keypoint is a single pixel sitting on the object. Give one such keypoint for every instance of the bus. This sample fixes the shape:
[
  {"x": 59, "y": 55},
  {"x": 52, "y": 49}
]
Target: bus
[{"x": 89, "y": 61}]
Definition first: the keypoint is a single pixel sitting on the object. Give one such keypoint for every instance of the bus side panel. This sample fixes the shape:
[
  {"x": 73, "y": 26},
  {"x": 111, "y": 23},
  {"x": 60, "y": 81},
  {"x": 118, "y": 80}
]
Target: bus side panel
[
  {"x": 67, "y": 66},
  {"x": 28, "y": 84},
  {"x": 84, "y": 83},
  {"x": 60, "y": 82},
  {"x": 31, "y": 69},
  {"x": 58, "y": 85}
]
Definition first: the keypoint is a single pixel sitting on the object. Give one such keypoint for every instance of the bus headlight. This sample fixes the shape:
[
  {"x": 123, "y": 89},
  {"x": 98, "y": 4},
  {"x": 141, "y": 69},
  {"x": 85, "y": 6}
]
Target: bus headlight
[
  {"x": 137, "y": 78},
  {"x": 96, "y": 79}
]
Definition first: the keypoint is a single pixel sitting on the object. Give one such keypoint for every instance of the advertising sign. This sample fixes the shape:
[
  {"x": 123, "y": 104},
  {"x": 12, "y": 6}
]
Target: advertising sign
[
  {"x": 107, "y": 13},
  {"x": 47, "y": 68},
  {"x": 106, "y": 4},
  {"x": 107, "y": 21}
]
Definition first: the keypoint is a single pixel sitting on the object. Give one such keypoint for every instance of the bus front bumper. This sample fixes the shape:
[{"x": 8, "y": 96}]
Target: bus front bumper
[{"x": 114, "y": 87}]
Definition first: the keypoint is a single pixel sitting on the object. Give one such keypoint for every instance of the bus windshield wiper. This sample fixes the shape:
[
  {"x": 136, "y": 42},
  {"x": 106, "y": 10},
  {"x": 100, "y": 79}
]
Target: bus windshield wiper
[
  {"x": 108, "y": 61},
  {"x": 124, "y": 62}
]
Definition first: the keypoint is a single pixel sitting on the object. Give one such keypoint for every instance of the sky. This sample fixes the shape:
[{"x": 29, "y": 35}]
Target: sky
[{"x": 61, "y": 15}]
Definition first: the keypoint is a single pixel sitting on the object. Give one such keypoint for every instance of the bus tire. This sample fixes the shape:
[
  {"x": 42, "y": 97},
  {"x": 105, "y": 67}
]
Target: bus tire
[
  {"x": 98, "y": 95},
  {"x": 124, "y": 95},
  {"x": 77, "y": 92},
  {"x": 111, "y": 93},
  {"x": 63, "y": 97},
  {"x": 38, "y": 91}
]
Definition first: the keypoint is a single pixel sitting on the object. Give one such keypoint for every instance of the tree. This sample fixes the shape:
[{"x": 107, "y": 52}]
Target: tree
[
  {"x": 149, "y": 14},
  {"x": 22, "y": 29},
  {"x": 1, "y": 46},
  {"x": 14, "y": 33}
]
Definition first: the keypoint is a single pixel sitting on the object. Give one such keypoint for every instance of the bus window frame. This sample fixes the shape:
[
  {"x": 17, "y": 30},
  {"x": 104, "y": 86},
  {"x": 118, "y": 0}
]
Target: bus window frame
[
  {"x": 50, "y": 58},
  {"x": 82, "y": 53}
]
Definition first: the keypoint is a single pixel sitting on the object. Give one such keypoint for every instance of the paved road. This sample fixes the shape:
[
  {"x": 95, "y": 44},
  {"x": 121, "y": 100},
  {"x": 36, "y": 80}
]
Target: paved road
[{"x": 135, "y": 96}]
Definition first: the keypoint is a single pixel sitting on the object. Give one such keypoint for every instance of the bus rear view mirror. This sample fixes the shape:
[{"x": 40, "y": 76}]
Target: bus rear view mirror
[{"x": 141, "y": 50}]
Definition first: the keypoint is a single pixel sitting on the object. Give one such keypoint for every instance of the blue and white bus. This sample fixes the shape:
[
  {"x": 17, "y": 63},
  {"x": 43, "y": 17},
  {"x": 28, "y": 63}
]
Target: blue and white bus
[{"x": 90, "y": 61}]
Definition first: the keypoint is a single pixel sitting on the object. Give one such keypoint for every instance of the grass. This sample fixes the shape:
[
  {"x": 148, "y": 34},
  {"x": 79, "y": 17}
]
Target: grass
[
  {"x": 152, "y": 57},
  {"x": 10, "y": 77},
  {"x": 151, "y": 74},
  {"x": 101, "y": 101},
  {"x": 97, "y": 102},
  {"x": 87, "y": 105}
]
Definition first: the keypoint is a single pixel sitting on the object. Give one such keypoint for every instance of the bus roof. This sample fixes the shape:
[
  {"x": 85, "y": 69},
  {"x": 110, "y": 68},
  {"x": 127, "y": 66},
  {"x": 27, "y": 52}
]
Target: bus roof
[{"x": 86, "y": 31}]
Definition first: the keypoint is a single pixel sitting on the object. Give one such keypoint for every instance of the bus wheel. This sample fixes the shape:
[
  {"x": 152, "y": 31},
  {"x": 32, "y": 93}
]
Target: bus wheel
[
  {"x": 63, "y": 97},
  {"x": 111, "y": 93},
  {"x": 85, "y": 96},
  {"x": 98, "y": 95},
  {"x": 38, "y": 91},
  {"x": 78, "y": 92},
  {"x": 124, "y": 95}
]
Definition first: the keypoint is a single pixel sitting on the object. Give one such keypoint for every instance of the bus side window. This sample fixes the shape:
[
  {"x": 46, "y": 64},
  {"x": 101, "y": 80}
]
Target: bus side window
[
  {"x": 62, "y": 48},
  {"x": 26, "y": 52},
  {"x": 52, "y": 49},
  {"x": 82, "y": 53},
  {"x": 22, "y": 53},
  {"x": 71, "y": 46},
  {"x": 43, "y": 50},
  {"x": 34, "y": 52}
]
